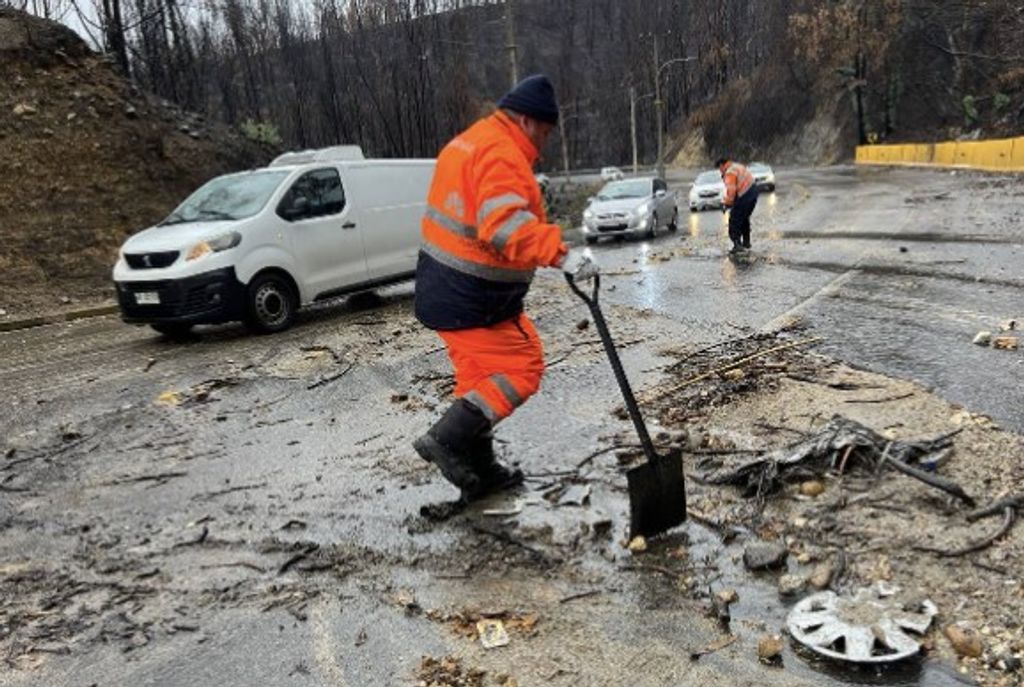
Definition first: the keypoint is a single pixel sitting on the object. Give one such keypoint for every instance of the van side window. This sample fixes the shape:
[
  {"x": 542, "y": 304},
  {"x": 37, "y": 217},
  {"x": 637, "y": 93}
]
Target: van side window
[{"x": 315, "y": 194}]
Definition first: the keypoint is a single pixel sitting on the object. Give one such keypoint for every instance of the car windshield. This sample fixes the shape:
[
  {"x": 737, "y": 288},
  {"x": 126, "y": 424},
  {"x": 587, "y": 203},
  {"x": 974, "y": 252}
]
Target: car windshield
[
  {"x": 758, "y": 167},
  {"x": 708, "y": 178},
  {"x": 231, "y": 197},
  {"x": 634, "y": 188}
]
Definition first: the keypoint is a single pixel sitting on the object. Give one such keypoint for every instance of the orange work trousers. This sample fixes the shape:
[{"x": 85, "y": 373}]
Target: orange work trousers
[{"x": 498, "y": 367}]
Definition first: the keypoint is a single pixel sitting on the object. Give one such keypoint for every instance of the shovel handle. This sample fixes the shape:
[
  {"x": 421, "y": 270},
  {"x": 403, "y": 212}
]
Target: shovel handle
[{"x": 613, "y": 358}]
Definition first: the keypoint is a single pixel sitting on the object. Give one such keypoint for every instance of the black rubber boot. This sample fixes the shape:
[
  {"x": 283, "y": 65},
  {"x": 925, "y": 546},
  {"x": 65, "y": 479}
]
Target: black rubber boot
[
  {"x": 494, "y": 476},
  {"x": 450, "y": 442}
]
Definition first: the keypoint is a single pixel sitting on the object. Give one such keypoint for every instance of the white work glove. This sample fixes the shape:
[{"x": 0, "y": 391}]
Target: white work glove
[{"x": 580, "y": 265}]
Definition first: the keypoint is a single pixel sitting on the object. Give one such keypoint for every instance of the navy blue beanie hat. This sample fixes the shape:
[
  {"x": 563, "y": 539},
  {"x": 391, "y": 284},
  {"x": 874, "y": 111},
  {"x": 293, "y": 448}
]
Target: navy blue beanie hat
[{"x": 534, "y": 97}]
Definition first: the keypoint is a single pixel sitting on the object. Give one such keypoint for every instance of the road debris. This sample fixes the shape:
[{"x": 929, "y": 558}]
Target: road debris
[
  {"x": 812, "y": 488},
  {"x": 712, "y": 647},
  {"x": 792, "y": 584},
  {"x": 1005, "y": 343},
  {"x": 769, "y": 649},
  {"x": 764, "y": 555},
  {"x": 983, "y": 338},
  {"x": 965, "y": 640},
  {"x": 448, "y": 672},
  {"x": 637, "y": 544},
  {"x": 492, "y": 633},
  {"x": 876, "y": 624}
]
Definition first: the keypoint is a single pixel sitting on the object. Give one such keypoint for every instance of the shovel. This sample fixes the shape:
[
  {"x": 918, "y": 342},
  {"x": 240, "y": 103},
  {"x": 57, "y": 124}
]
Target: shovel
[{"x": 657, "y": 490}]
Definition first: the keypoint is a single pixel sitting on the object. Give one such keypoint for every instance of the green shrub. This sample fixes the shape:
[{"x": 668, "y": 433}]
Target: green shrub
[{"x": 261, "y": 132}]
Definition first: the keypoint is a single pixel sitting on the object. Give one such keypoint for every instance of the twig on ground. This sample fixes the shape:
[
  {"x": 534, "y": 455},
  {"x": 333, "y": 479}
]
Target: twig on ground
[
  {"x": 900, "y": 397},
  {"x": 323, "y": 381},
  {"x": 1014, "y": 502},
  {"x": 942, "y": 483},
  {"x": 1008, "y": 518},
  {"x": 581, "y": 595},
  {"x": 714, "y": 646},
  {"x": 239, "y": 564}
]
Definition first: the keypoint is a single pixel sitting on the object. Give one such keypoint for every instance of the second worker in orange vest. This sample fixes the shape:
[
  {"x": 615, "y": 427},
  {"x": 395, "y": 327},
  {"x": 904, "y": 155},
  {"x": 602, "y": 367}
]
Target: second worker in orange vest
[
  {"x": 484, "y": 234},
  {"x": 740, "y": 198}
]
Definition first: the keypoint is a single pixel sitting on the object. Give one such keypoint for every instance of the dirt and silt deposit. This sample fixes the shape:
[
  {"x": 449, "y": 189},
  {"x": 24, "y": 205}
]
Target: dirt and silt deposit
[{"x": 268, "y": 547}]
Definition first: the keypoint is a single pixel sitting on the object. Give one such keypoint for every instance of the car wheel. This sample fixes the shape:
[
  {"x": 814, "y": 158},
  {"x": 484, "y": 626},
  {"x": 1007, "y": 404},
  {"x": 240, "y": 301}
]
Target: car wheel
[
  {"x": 674, "y": 224},
  {"x": 270, "y": 304},
  {"x": 173, "y": 330}
]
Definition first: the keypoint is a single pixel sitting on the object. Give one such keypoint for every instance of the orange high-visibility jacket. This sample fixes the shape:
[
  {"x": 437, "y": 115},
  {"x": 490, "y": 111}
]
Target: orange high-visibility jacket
[
  {"x": 484, "y": 230},
  {"x": 738, "y": 180}
]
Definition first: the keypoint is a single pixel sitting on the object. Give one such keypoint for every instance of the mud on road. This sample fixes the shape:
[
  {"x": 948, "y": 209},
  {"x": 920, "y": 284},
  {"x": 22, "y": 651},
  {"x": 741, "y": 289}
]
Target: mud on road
[{"x": 245, "y": 510}]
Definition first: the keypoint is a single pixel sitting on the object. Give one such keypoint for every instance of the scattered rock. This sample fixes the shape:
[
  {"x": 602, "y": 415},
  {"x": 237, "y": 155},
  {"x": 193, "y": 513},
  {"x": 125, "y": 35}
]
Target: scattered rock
[
  {"x": 812, "y": 488},
  {"x": 1006, "y": 343},
  {"x": 769, "y": 648},
  {"x": 964, "y": 640},
  {"x": 130, "y": 112},
  {"x": 733, "y": 375},
  {"x": 903, "y": 249},
  {"x": 23, "y": 110},
  {"x": 65, "y": 300},
  {"x": 821, "y": 577},
  {"x": 3, "y": 313},
  {"x": 728, "y": 596},
  {"x": 399, "y": 398},
  {"x": 1008, "y": 325},
  {"x": 983, "y": 338},
  {"x": 637, "y": 545},
  {"x": 764, "y": 555},
  {"x": 792, "y": 584},
  {"x": 582, "y": 324}
]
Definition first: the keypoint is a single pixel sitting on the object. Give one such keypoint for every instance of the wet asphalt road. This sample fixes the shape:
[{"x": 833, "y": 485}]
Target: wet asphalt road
[{"x": 173, "y": 522}]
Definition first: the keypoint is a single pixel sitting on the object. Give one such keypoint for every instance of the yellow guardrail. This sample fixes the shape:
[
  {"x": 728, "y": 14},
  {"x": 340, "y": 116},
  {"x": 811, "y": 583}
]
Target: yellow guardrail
[{"x": 999, "y": 155}]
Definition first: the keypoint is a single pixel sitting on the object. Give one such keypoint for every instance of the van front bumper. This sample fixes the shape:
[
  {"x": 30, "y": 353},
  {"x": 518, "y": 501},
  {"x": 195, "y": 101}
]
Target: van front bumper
[{"x": 206, "y": 298}]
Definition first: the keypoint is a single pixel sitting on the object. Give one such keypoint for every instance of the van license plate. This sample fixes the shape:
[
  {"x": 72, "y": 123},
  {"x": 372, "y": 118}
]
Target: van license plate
[{"x": 147, "y": 298}]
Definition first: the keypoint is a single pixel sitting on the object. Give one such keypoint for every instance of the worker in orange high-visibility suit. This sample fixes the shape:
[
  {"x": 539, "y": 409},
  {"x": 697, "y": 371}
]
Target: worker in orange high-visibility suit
[
  {"x": 484, "y": 234},
  {"x": 740, "y": 198}
]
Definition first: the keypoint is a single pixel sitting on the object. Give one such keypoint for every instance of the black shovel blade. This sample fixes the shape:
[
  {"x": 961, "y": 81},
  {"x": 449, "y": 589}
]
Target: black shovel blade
[{"x": 657, "y": 495}]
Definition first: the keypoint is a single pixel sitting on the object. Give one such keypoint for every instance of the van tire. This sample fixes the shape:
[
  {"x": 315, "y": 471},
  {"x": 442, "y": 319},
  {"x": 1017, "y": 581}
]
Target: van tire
[
  {"x": 270, "y": 303},
  {"x": 674, "y": 224},
  {"x": 172, "y": 330}
]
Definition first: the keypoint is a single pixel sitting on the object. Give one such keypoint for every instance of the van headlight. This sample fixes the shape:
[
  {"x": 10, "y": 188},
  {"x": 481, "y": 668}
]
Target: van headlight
[
  {"x": 643, "y": 209},
  {"x": 588, "y": 214},
  {"x": 214, "y": 245}
]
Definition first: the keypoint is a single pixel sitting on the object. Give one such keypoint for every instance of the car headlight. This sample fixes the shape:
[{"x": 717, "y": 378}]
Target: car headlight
[
  {"x": 770, "y": 178},
  {"x": 643, "y": 209},
  {"x": 588, "y": 214},
  {"x": 214, "y": 245}
]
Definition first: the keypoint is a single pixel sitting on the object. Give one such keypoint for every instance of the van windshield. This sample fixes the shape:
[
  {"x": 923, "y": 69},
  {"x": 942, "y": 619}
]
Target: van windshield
[{"x": 231, "y": 197}]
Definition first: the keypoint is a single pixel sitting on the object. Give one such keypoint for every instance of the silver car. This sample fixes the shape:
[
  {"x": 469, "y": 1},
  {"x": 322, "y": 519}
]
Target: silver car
[
  {"x": 708, "y": 191},
  {"x": 630, "y": 207}
]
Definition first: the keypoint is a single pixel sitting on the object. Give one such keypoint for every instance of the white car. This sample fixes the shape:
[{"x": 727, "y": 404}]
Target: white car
[
  {"x": 764, "y": 176},
  {"x": 258, "y": 245},
  {"x": 611, "y": 174},
  {"x": 630, "y": 207},
  {"x": 707, "y": 191}
]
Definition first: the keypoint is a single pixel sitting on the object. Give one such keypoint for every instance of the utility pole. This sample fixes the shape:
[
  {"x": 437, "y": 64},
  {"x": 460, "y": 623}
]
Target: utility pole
[
  {"x": 565, "y": 147},
  {"x": 510, "y": 40},
  {"x": 658, "y": 106},
  {"x": 632, "y": 126}
]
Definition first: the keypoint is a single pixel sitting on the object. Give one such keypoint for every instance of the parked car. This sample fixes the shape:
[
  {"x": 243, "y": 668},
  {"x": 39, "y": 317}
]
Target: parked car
[
  {"x": 764, "y": 176},
  {"x": 630, "y": 207},
  {"x": 707, "y": 191},
  {"x": 258, "y": 245},
  {"x": 611, "y": 174}
]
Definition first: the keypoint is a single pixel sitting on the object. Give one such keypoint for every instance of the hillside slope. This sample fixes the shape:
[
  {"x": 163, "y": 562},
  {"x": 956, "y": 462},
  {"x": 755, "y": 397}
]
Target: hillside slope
[{"x": 87, "y": 159}]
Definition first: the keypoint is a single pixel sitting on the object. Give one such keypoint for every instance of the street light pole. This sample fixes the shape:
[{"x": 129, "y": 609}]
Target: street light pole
[
  {"x": 658, "y": 105},
  {"x": 632, "y": 126},
  {"x": 510, "y": 41}
]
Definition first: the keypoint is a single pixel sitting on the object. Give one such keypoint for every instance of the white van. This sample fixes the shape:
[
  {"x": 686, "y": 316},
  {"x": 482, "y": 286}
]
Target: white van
[{"x": 257, "y": 245}]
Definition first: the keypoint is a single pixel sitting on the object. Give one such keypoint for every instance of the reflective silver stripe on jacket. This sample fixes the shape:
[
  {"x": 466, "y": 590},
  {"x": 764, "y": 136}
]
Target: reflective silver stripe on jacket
[
  {"x": 478, "y": 401},
  {"x": 507, "y": 390},
  {"x": 492, "y": 204},
  {"x": 452, "y": 225},
  {"x": 475, "y": 269},
  {"x": 509, "y": 227}
]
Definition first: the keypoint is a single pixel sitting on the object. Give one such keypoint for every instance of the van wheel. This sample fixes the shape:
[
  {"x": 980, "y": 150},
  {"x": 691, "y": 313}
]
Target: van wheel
[
  {"x": 270, "y": 304},
  {"x": 674, "y": 224},
  {"x": 173, "y": 330},
  {"x": 591, "y": 240}
]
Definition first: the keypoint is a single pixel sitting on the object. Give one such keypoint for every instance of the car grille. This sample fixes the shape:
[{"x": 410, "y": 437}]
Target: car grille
[
  {"x": 612, "y": 227},
  {"x": 709, "y": 194},
  {"x": 150, "y": 261},
  {"x": 613, "y": 215}
]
